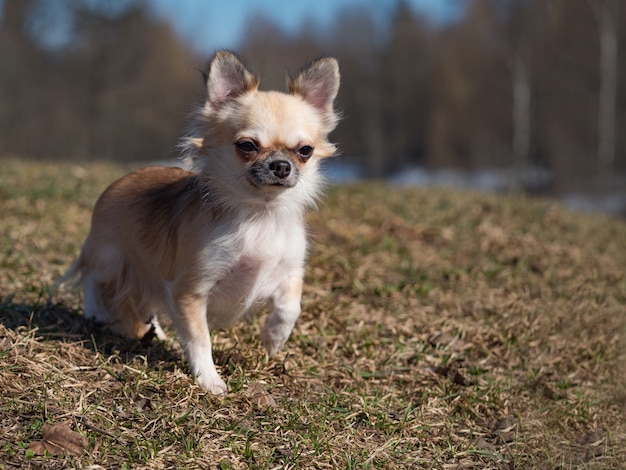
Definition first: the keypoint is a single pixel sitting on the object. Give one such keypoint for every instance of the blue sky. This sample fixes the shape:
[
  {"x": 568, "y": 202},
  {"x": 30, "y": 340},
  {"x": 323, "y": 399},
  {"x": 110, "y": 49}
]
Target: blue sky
[{"x": 214, "y": 24}]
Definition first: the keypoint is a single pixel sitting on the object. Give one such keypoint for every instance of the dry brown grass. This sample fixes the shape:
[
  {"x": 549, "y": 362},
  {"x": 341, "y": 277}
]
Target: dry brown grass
[{"x": 440, "y": 330}]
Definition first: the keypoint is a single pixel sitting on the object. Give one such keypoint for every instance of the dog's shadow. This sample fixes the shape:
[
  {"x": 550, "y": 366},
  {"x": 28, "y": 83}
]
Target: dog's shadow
[{"x": 49, "y": 321}]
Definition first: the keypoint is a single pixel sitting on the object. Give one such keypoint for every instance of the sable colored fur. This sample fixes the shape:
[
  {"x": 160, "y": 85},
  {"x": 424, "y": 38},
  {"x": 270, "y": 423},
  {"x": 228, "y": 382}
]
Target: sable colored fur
[{"x": 208, "y": 244}]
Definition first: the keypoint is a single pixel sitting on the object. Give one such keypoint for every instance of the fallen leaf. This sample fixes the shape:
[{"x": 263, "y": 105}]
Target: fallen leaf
[
  {"x": 596, "y": 443},
  {"x": 260, "y": 396},
  {"x": 446, "y": 340},
  {"x": 441, "y": 339},
  {"x": 506, "y": 424},
  {"x": 595, "y": 438},
  {"x": 548, "y": 392},
  {"x": 483, "y": 444},
  {"x": 452, "y": 372},
  {"x": 507, "y": 429},
  {"x": 59, "y": 439},
  {"x": 541, "y": 386},
  {"x": 460, "y": 379},
  {"x": 142, "y": 403},
  {"x": 37, "y": 447}
]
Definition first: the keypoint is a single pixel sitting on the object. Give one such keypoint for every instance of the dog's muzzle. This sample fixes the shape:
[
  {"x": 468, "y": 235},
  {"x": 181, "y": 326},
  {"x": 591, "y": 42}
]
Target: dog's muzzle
[{"x": 275, "y": 170}]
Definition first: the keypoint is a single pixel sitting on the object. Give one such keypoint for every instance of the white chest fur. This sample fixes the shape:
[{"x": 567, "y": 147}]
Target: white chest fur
[{"x": 254, "y": 258}]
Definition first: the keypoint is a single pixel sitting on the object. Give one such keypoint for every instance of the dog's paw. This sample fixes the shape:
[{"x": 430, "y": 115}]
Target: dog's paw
[
  {"x": 273, "y": 341},
  {"x": 158, "y": 331},
  {"x": 212, "y": 383}
]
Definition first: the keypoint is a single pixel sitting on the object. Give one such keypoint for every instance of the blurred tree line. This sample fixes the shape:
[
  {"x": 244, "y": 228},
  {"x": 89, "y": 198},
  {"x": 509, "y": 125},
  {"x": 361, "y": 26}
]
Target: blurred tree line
[
  {"x": 514, "y": 84},
  {"x": 119, "y": 89}
]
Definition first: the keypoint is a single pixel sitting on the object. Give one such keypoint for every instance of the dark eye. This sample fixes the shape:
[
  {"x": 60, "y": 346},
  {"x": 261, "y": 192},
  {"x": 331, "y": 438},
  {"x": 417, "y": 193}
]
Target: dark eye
[
  {"x": 305, "y": 151},
  {"x": 246, "y": 146}
]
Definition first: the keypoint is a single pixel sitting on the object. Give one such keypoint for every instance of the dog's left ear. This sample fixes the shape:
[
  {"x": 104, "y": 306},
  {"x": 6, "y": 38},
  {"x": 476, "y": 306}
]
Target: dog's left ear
[{"x": 318, "y": 84}]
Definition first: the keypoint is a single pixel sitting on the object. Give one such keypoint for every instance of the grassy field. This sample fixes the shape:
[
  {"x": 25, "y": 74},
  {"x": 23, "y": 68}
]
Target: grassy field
[{"x": 440, "y": 330}]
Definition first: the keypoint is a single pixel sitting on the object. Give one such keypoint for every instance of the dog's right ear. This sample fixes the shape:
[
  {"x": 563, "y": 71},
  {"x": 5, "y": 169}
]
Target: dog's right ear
[{"x": 227, "y": 78}]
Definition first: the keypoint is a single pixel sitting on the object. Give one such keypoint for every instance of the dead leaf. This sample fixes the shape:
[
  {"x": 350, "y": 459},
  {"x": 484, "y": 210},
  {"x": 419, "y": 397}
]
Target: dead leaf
[
  {"x": 507, "y": 429},
  {"x": 446, "y": 340},
  {"x": 483, "y": 444},
  {"x": 142, "y": 403},
  {"x": 506, "y": 424},
  {"x": 460, "y": 379},
  {"x": 38, "y": 447},
  {"x": 595, "y": 438},
  {"x": 59, "y": 439},
  {"x": 453, "y": 373},
  {"x": 260, "y": 396},
  {"x": 548, "y": 392},
  {"x": 541, "y": 386},
  {"x": 440, "y": 339},
  {"x": 596, "y": 443}
]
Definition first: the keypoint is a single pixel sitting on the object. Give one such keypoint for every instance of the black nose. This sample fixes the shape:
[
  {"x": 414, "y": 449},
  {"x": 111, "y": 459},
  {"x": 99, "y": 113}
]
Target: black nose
[{"x": 281, "y": 168}]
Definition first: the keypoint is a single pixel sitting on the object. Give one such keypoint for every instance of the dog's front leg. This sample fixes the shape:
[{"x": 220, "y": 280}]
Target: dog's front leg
[
  {"x": 281, "y": 321},
  {"x": 194, "y": 336}
]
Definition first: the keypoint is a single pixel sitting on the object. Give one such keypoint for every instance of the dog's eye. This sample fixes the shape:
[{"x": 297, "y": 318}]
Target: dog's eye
[
  {"x": 246, "y": 146},
  {"x": 305, "y": 151}
]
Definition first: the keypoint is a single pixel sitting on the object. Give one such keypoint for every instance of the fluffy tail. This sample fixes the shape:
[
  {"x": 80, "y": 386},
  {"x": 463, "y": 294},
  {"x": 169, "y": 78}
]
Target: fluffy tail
[{"x": 74, "y": 275}]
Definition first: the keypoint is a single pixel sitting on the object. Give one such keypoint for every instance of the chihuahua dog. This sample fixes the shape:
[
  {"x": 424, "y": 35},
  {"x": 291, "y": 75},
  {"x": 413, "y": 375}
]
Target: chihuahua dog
[{"x": 214, "y": 241}]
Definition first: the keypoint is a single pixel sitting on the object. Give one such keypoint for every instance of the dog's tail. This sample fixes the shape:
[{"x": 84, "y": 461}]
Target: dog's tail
[{"x": 74, "y": 275}]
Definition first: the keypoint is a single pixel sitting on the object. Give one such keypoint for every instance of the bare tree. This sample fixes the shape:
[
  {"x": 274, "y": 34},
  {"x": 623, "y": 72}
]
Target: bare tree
[
  {"x": 605, "y": 12},
  {"x": 118, "y": 89},
  {"x": 361, "y": 98},
  {"x": 470, "y": 122},
  {"x": 519, "y": 21},
  {"x": 511, "y": 83},
  {"x": 520, "y": 77}
]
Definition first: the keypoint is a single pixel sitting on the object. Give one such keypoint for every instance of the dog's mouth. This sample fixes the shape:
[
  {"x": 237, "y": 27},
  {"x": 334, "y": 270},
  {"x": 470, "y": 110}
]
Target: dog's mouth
[
  {"x": 283, "y": 184},
  {"x": 264, "y": 184}
]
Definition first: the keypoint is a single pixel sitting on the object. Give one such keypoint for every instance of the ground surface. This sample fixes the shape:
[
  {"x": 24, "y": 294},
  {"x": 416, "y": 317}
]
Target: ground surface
[{"x": 440, "y": 330}]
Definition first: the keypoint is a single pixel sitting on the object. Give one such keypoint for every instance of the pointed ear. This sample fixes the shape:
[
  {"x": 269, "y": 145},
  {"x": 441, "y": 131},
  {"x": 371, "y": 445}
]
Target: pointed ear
[
  {"x": 227, "y": 78},
  {"x": 318, "y": 84}
]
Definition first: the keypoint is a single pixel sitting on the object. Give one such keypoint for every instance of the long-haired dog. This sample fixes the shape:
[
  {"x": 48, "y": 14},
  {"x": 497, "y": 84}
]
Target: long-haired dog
[{"x": 212, "y": 242}]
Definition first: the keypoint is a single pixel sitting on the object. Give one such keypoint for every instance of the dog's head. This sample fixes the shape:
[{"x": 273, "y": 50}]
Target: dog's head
[{"x": 258, "y": 146}]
